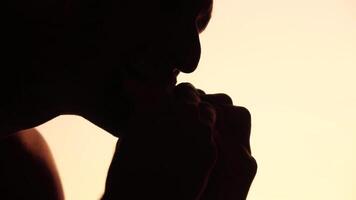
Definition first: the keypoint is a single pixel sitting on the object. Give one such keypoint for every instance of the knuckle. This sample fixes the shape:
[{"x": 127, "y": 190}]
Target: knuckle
[
  {"x": 207, "y": 113},
  {"x": 248, "y": 162},
  {"x": 252, "y": 167},
  {"x": 185, "y": 86},
  {"x": 226, "y": 99},
  {"x": 242, "y": 118},
  {"x": 186, "y": 92},
  {"x": 218, "y": 99},
  {"x": 243, "y": 112},
  {"x": 201, "y": 92},
  {"x": 235, "y": 126}
]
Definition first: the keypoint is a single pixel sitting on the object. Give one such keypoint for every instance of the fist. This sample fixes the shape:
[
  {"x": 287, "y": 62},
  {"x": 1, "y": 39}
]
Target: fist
[
  {"x": 168, "y": 150},
  {"x": 235, "y": 167}
]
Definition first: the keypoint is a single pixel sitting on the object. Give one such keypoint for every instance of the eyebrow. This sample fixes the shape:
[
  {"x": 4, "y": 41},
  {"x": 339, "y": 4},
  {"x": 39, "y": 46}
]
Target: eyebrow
[{"x": 204, "y": 15}]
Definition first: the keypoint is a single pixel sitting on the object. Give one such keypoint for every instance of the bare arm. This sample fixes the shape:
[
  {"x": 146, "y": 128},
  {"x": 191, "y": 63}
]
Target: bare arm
[{"x": 27, "y": 169}]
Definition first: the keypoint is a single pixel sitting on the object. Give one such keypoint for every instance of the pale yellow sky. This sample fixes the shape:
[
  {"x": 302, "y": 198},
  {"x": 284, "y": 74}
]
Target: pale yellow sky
[{"x": 292, "y": 64}]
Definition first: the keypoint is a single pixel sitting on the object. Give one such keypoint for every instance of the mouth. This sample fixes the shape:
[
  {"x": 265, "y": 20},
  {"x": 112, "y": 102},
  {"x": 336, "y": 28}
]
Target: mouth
[
  {"x": 159, "y": 74},
  {"x": 176, "y": 72},
  {"x": 170, "y": 79},
  {"x": 174, "y": 75},
  {"x": 163, "y": 80}
]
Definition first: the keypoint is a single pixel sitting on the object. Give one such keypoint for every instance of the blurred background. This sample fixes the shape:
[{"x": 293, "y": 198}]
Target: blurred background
[{"x": 292, "y": 64}]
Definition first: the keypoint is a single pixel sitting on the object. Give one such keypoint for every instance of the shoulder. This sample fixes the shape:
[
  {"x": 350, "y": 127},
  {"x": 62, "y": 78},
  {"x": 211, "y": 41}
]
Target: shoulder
[{"x": 27, "y": 168}]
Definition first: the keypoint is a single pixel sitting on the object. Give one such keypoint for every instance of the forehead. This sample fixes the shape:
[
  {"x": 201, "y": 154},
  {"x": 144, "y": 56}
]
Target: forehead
[
  {"x": 156, "y": 10},
  {"x": 200, "y": 9},
  {"x": 185, "y": 5},
  {"x": 170, "y": 5},
  {"x": 204, "y": 14}
]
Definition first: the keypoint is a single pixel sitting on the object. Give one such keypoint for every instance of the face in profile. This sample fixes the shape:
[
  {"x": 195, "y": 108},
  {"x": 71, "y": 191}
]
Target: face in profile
[
  {"x": 154, "y": 36},
  {"x": 158, "y": 36}
]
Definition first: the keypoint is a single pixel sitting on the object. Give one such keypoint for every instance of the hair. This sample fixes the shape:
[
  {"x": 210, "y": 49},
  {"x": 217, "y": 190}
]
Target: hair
[{"x": 41, "y": 31}]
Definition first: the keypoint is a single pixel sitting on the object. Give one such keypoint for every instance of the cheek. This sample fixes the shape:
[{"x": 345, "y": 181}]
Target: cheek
[
  {"x": 160, "y": 40},
  {"x": 178, "y": 44}
]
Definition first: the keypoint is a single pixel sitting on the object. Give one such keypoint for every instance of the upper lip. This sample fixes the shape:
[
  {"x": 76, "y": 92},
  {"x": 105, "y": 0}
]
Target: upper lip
[
  {"x": 166, "y": 77},
  {"x": 175, "y": 72},
  {"x": 172, "y": 77}
]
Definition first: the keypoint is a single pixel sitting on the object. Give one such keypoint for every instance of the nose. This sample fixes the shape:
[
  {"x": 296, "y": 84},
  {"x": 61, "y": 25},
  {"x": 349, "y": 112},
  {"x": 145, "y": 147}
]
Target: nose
[{"x": 188, "y": 52}]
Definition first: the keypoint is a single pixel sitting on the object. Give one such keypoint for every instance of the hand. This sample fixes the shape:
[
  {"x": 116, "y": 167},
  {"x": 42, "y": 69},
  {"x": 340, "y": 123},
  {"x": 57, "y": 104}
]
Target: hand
[
  {"x": 235, "y": 168},
  {"x": 168, "y": 150}
]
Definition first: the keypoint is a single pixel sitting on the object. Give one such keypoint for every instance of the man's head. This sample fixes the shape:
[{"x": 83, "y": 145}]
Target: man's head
[
  {"x": 158, "y": 36},
  {"x": 95, "y": 35}
]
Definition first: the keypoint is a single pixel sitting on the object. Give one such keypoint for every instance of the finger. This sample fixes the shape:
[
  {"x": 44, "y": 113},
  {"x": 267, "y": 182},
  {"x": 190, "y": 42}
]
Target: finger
[
  {"x": 235, "y": 121},
  {"x": 187, "y": 93},
  {"x": 207, "y": 113},
  {"x": 217, "y": 99},
  {"x": 201, "y": 92}
]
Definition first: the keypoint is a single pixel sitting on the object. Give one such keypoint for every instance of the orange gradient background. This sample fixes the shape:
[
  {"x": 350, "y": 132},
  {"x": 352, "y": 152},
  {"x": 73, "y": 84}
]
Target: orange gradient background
[{"x": 292, "y": 64}]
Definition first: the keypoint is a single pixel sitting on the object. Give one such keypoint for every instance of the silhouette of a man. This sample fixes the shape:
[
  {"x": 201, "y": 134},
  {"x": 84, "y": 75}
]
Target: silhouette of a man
[{"x": 115, "y": 63}]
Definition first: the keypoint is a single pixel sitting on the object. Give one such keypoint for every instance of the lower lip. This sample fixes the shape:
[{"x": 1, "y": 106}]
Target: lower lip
[{"x": 172, "y": 80}]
